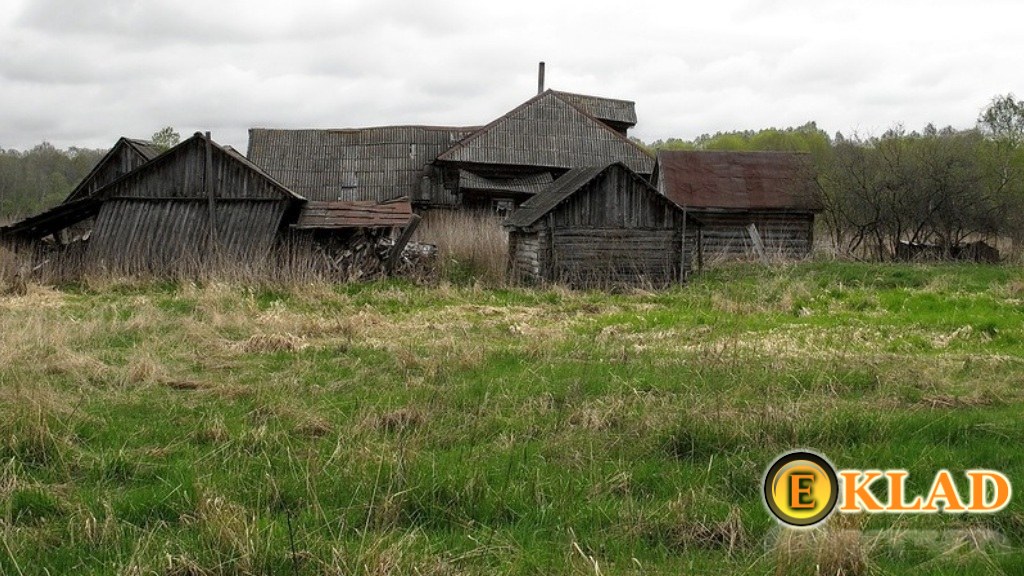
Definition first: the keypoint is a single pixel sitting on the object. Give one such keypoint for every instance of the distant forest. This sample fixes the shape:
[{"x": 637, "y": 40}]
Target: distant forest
[
  {"x": 34, "y": 180},
  {"x": 940, "y": 185}
]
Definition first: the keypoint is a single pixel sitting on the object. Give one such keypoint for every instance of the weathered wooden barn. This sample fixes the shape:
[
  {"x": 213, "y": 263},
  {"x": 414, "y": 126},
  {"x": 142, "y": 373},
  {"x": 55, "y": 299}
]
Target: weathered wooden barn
[
  {"x": 602, "y": 226},
  {"x": 196, "y": 201},
  {"x": 749, "y": 202},
  {"x": 497, "y": 166}
]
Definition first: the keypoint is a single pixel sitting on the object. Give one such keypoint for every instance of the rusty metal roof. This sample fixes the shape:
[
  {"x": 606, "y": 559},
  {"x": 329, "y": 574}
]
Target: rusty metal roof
[
  {"x": 336, "y": 214},
  {"x": 738, "y": 180}
]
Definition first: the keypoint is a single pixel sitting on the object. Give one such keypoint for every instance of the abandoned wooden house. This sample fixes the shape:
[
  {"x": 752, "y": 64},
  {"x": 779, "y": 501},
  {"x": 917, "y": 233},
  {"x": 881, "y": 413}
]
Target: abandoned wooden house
[
  {"x": 602, "y": 226},
  {"x": 497, "y": 166},
  {"x": 751, "y": 203}
]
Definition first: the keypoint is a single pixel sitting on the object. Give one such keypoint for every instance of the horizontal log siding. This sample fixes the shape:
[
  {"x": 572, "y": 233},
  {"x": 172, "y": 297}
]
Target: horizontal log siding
[
  {"x": 138, "y": 235},
  {"x": 527, "y": 252},
  {"x": 788, "y": 235},
  {"x": 616, "y": 255}
]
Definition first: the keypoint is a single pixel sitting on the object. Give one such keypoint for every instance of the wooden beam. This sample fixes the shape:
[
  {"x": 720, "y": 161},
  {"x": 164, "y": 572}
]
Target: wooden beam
[
  {"x": 396, "y": 250},
  {"x": 755, "y": 238},
  {"x": 210, "y": 196}
]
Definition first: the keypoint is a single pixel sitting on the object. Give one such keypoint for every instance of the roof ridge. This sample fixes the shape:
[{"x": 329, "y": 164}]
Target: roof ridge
[{"x": 555, "y": 94}]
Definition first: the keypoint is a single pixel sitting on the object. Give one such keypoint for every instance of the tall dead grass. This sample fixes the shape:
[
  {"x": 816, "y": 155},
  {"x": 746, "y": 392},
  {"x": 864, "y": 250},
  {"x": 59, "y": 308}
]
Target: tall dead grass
[{"x": 472, "y": 245}]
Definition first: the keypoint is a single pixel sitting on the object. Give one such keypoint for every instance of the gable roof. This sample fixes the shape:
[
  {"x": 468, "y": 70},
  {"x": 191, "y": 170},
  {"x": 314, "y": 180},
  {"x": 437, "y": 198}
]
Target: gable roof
[
  {"x": 549, "y": 131},
  {"x": 608, "y": 110},
  {"x": 352, "y": 164},
  {"x": 738, "y": 180},
  {"x": 124, "y": 156},
  {"x": 562, "y": 189},
  {"x": 224, "y": 155}
]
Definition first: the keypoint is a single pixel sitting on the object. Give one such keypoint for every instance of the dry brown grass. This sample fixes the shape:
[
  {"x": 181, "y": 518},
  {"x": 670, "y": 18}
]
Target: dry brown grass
[
  {"x": 839, "y": 548},
  {"x": 470, "y": 244}
]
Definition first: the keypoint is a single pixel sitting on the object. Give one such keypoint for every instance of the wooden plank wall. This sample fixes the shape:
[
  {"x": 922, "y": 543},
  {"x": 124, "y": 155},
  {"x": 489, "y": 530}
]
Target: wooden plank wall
[
  {"x": 787, "y": 235},
  {"x": 615, "y": 231},
  {"x": 158, "y": 219},
  {"x": 139, "y": 235}
]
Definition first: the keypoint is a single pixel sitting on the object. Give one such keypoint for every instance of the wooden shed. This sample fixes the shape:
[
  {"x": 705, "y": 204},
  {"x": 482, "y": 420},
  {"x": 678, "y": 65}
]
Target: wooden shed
[
  {"x": 196, "y": 201},
  {"x": 602, "y": 226},
  {"x": 744, "y": 198}
]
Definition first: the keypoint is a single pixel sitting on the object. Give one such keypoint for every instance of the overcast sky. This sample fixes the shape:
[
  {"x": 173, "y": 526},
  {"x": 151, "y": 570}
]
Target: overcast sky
[{"x": 82, "y": 73}]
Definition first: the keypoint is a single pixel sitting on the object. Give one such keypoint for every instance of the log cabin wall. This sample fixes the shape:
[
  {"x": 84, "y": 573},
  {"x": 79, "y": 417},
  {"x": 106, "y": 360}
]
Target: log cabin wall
[{"x": 725, "y": 235}]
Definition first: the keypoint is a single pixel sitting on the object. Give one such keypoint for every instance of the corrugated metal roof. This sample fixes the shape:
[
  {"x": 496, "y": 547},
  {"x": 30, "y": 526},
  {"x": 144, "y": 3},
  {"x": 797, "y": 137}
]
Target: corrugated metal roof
[
  {"x": 548, "y": 131},
  {"x": 337, "y": 214},
  {"x": 352, "y": 164},
  {"x": 738, "y": 180},
  {"x": 621, "y": 112},
  {"x": 528, "y": 184}
]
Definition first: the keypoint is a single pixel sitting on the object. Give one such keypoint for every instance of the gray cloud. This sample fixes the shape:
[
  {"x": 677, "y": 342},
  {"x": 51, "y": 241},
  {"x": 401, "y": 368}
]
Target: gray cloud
[{"x": 77, "y": 73}]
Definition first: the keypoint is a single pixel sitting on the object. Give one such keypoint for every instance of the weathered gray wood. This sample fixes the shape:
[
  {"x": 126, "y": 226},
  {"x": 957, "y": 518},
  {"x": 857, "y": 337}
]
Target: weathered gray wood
[
  {"x": 755, "y": 238},
  {"x": 396, "y": 250},
  {"x": 208, "y": 177}
]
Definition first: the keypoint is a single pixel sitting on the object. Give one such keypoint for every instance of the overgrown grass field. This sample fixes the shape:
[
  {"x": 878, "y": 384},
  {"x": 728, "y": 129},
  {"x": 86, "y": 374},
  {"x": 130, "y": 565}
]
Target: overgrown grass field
[{"x": 183, "y": 429}]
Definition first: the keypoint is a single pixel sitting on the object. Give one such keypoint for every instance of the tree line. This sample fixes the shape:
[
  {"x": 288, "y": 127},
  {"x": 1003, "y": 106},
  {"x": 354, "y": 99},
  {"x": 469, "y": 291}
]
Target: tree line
[
  {"x": 935, "y": 186},
  {"x": 37, "y": 179}
]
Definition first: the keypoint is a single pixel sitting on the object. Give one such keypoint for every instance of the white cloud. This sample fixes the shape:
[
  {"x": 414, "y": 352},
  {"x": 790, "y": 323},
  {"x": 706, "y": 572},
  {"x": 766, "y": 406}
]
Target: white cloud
[{"x": 78, "y": 73}]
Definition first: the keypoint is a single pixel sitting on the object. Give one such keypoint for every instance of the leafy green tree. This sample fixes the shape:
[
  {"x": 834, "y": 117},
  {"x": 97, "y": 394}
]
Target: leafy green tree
[{"x": 166, "y": 138}]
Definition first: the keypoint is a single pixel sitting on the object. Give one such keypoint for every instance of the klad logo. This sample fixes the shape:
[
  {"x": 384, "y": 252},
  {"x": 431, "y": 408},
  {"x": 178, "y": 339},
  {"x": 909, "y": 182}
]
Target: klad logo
[{"x": 802, "y": 488}]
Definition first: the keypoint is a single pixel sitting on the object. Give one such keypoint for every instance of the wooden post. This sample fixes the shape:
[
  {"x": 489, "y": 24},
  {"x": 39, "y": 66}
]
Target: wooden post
[
  {"x": 682, "y": 249},
  {"x": 396, "y": 250},
  {"x": 211, "y": 200},
  {"x": 755, "y": 237},
  {"x": 550, "y": 272}
]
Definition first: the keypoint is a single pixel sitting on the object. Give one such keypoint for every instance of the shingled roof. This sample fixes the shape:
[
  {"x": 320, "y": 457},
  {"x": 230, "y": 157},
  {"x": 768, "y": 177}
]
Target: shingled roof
[
  {"x": 352, "y": 164},
  {"x": 738, "y": 180},
  {"x": 549, "y": 131},
  {"x": 619, "y": 113}
]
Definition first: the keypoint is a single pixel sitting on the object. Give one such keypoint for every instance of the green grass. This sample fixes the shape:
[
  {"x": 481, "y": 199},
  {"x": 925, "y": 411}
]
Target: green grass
[{"x": 390, "y": 428}]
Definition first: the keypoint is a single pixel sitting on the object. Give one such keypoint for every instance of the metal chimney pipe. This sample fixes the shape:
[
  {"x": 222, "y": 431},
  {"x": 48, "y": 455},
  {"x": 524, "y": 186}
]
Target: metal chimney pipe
[{"x": 540, "y": 78}]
